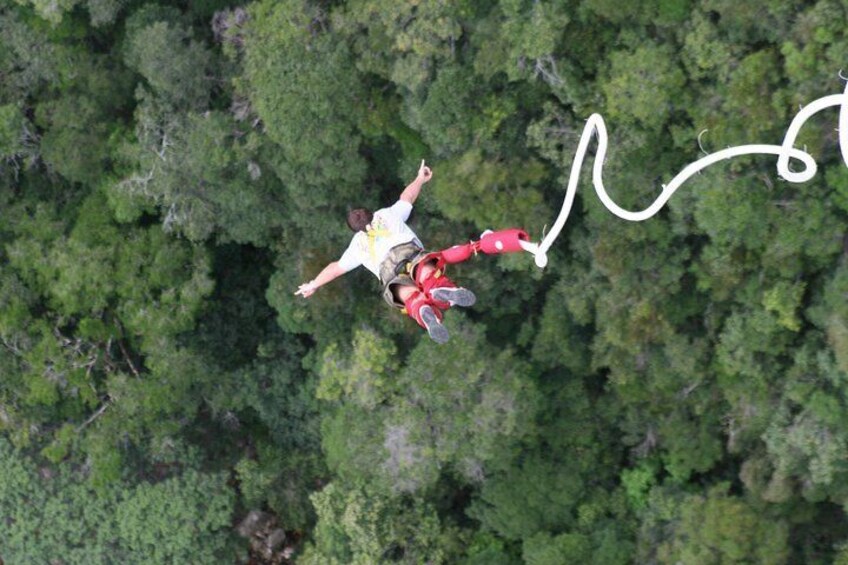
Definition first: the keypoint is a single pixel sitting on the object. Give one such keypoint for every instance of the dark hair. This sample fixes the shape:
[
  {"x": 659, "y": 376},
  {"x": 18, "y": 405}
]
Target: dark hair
[{"x": 358, "y": 218}]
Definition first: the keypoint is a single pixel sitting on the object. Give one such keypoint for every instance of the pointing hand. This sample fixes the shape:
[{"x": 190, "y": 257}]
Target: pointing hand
[{"x": 424, "y": 172}]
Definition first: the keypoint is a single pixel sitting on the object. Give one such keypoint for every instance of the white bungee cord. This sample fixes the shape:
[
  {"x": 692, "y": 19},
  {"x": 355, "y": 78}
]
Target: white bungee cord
[{"x": 784, "y": 152}]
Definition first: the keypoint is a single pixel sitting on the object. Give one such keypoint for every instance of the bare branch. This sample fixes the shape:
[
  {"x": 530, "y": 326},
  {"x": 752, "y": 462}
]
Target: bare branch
[
  {"x": 11, "y": 346},
  {"x": 128, "y": 360},
  {"x": 549, "y": 73},
  {"x": 94, "y": 416},
  {"x": 137, "y": 184},
  {"x": 164, "y": 146}
]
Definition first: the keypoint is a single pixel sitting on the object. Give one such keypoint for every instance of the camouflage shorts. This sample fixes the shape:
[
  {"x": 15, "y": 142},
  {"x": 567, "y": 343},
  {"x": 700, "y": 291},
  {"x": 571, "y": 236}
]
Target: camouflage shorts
[{"x": 396, "y": 269}]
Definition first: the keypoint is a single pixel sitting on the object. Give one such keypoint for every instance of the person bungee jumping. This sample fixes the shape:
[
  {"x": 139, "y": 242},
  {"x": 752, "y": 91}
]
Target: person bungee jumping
[{"x": 411, "y": 277}]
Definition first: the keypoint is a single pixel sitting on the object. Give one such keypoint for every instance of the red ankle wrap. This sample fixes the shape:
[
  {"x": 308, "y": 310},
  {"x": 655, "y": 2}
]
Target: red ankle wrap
[{"x": 417, "y": 301}]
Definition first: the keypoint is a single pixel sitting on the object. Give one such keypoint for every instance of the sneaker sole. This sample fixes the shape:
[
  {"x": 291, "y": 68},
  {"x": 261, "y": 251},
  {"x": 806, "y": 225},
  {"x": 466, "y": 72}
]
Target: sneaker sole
[
  {"x": 456, "y": 296},
  {"x": 435, "y": 329}
]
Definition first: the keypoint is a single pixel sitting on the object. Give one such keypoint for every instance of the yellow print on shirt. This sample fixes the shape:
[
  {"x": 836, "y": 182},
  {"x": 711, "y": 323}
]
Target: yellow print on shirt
[{"x": 376, "y": 231}]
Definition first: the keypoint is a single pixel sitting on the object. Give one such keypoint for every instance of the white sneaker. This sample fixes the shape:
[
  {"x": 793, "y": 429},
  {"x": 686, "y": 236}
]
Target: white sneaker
[
  {"x": 435, "y": 329},
  {"x": 456, "y": 296}
]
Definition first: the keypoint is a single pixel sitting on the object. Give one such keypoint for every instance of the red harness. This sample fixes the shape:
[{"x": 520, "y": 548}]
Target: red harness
[{"x": 491, "y": 243}]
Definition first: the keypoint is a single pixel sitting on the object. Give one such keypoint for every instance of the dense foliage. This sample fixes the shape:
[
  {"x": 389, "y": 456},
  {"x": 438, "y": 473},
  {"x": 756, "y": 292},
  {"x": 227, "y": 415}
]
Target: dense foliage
[{"x": 672, "y": 391}]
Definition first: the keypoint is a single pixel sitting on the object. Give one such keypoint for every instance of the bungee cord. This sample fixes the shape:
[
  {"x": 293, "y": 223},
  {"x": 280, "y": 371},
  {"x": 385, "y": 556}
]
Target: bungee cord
[{"x": 595, "y": 125}]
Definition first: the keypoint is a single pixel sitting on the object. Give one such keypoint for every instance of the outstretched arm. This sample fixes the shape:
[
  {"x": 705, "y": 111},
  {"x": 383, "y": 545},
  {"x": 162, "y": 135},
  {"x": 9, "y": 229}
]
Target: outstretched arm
[
  {"x": 410, "y": 193},
  {"x": 330, "y": 272}
]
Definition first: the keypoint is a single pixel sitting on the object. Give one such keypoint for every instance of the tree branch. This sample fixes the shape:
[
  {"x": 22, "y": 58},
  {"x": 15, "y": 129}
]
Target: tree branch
[
  {"x": 94, "y": 416},
  {"x": 128, "y": 360}
]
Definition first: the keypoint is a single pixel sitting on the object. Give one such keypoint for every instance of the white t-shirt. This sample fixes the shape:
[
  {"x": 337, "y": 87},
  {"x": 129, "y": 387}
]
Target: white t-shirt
[{"x": 388, "y": 229}]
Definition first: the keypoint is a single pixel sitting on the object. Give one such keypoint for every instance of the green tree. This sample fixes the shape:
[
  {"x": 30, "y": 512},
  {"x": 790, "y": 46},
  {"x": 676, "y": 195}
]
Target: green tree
[
  {"x": 177, "y": 67},
  {"x": 204, "y": 175},
  {"x": 29, "y": 61},
  {"x": 101, "y": 12},
  {"x": 14, "y": 132},
  {"x": 178, "y": 519},
  {"x": 296, "y": 75},
  {"x": 51, "y": 513},
  {"x": 437, "y": 411},
  {"x": 487, "y": 184},
  {"x": 545, "y": 549},
  {"x": 403, "y": 42},
  {"x": 644, "y": 86},
  {"x": 110, "y": 305},
  {"x": 357, "y": 526},
  {"x": 714, "y": 527}
]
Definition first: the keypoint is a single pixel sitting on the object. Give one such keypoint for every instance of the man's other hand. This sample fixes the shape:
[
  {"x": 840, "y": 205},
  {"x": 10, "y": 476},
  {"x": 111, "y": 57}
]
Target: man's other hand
[{"x": 306, "y": 289}]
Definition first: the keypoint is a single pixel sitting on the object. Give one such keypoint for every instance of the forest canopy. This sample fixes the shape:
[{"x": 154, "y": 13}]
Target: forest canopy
[{"x": 670, "y": 391}]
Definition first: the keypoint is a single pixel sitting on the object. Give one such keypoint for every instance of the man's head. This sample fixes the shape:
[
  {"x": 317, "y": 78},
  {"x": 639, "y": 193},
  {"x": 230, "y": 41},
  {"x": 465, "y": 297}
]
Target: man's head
[{"x": 358, "y": 218}]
